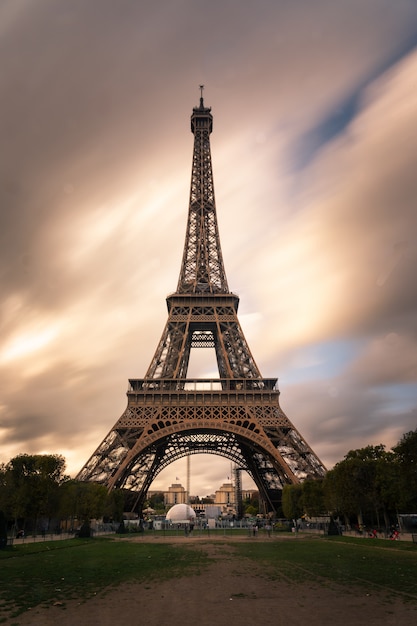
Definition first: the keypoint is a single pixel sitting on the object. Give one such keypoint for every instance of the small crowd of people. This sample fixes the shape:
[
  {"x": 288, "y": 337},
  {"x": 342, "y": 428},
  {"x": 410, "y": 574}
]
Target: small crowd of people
[
  {"x": 394, "y": 534},
  {"x": 267, "y": 528}
]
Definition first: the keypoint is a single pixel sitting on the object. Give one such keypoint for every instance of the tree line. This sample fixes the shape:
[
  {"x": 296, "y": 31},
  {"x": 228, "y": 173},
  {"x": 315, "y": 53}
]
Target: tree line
[
  {"x": 368, "y": 488},
  {"x": 37, "y": 496}
]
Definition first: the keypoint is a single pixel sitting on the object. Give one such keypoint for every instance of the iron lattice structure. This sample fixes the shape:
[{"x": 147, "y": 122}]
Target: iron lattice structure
[{"x": 238, "y": 415}]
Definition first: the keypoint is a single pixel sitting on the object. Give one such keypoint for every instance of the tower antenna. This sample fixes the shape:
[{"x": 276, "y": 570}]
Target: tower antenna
[{"x": 188, "y": 478}]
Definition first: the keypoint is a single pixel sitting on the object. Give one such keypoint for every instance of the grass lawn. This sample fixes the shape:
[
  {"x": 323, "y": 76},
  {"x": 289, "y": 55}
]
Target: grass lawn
[
  {"x": 56, "y": 571},
  {"x": 46, "y": 573},
  {"x": 390, "y": 566}
]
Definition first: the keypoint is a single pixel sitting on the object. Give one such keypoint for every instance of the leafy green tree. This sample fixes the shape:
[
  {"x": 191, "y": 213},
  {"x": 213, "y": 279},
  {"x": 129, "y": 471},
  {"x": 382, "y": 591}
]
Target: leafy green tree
[
  {"x": 251, "y": 511},
  {"x": 312, "y": 500},
  {"x": 386, "y": 494},
  {"x": 29, "y": 486},
  {"x": 114, "y": 506},
  {"x": 406, "y": 453},
  {"x": 3, "y": 531},
  {"x": 292, "y": 501},
  {"x": 157, "y": 501},
  {"x": 4, "y": 500},
  {"x": 251, "y": 504},
  {"x": 332, "y": 494},
  {"x": 381, "y": 486},
  {"x": 347, "y": 488},
  {"x": 82, "y": 501},
  {"x": 362, "y": 485}
]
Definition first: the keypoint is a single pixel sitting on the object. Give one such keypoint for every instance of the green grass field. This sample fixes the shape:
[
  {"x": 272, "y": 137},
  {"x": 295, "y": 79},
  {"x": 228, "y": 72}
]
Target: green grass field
[
  {"x": 46, "y": 573},
  {"x": 391, "y": 566}
]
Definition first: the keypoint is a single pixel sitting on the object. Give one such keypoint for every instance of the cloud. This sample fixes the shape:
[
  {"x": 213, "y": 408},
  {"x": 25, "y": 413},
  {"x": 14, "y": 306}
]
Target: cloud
[{"x": 94, "y": 185}]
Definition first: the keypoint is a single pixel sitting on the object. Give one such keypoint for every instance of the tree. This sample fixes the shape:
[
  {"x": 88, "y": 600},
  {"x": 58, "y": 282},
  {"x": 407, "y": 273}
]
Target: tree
[
  {"x": 251, "y": 511},
  {"x": 332, "y": 494},
  {"x": 29, "y": 486},
  {"x": 157, "y": 501},
  {"x": 82, "y": 501},
  {"x": 363, "y": 485},
  {"x": 312, "y": 500},
  {"x": 3, "y": 531},
  {"x": 114, "y": 506},
  {"x": 292, "y": 505},
  {"x": 251, "y": 504},
  {"x": 406, "y": 453}
]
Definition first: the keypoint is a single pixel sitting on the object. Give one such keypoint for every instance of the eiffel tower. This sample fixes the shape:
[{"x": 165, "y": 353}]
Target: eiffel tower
[{"x": 237, "y": 415}]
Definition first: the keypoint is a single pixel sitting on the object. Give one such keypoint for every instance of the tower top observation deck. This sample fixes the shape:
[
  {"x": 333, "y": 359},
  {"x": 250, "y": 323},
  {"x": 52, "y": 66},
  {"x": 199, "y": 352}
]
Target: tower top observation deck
[{"x": 201, "y": 119}]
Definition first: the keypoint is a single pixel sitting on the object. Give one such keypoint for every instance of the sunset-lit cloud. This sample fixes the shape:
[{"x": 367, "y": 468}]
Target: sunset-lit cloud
[{"x": 314, "y": 153}]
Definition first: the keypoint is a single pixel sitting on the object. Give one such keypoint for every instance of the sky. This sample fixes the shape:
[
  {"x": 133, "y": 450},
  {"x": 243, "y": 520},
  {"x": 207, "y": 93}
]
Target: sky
[{"x": 314, "y": 150}]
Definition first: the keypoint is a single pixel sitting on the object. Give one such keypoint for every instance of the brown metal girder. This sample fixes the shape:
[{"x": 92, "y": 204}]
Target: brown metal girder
[
  {"x": 223, "y": 351},
  {"x": 149, "y": 439},
  {"x": 259, "y": 480},
  {"x": 189, "y": 443}
]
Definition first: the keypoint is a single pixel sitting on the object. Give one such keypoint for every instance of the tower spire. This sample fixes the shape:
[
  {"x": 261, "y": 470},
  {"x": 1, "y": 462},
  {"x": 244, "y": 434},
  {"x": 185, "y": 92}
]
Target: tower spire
[
  {"x": 202, "y": 269},
  {"x": 202, "y": 312}
]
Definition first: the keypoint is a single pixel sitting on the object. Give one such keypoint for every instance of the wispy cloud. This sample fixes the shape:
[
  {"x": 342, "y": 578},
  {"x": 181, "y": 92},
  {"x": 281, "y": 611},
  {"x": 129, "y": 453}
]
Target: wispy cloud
[{"x": 95, "y": 170}]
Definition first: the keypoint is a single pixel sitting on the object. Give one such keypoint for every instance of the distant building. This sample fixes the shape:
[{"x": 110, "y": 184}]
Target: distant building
[
  {"x": 223, "y": 501},
  {"x": 247, "y": 494},
  {"x": 176, "y": 494}
]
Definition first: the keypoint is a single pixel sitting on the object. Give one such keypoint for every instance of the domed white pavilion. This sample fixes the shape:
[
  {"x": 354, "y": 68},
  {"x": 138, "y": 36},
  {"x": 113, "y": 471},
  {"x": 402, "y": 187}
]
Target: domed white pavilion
[{"x": 181, "y": 514}]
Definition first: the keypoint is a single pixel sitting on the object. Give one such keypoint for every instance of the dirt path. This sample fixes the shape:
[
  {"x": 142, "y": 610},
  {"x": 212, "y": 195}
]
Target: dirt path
[{"x": 231, "y": 591}]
